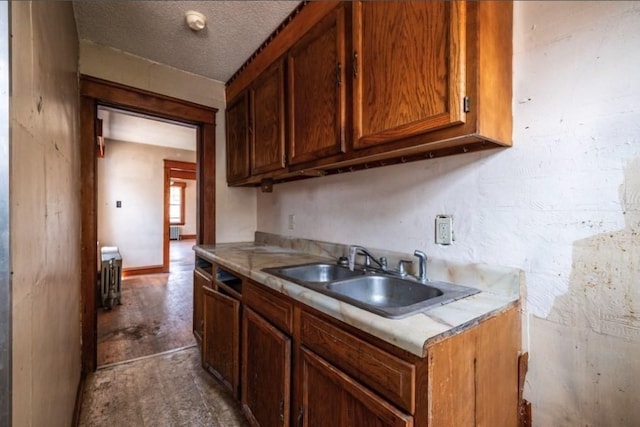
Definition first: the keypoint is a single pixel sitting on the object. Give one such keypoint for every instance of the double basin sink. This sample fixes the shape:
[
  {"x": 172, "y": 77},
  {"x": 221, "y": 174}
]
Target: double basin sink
[{"x": 382, "y": 294}]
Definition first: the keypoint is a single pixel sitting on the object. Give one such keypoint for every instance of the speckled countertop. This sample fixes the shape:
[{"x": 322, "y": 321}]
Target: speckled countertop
[{"x": 500, "y": 288}]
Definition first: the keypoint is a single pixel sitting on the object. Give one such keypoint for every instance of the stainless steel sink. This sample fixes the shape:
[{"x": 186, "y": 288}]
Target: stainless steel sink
[
  {"x": 382, "y": 291},
  {"x": 394, "y": 297},
  {"x": 315, "y": 273},
  {"x": 382, "y": 294}
]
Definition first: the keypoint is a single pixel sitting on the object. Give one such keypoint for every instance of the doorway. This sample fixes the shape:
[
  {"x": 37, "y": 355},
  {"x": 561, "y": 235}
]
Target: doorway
[
  {"x": 153, "y": 310},
  {"x": 95, "y": 93}
]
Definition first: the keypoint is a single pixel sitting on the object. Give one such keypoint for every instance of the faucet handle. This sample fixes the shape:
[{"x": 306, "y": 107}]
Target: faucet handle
[
  {"x": 401, "y": 266},
  {"x": 422, "y": 266}
]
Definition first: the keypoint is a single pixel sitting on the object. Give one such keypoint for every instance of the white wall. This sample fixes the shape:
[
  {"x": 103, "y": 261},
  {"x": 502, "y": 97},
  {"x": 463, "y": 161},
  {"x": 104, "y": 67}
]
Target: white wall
[
  {"x": 134, "y": 174},
  {"x": 563, "y": 205},
  {"x": 235, "y": 207},
  {"x": 45, "y": 213}
]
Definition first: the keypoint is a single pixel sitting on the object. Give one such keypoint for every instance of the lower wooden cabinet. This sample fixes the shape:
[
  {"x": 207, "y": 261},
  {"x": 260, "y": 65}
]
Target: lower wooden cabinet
[
  {"x": 333, "y": 399},
  {"x": 299, "y": 367},
  {"x": 200, "y": 281},
  {"x": 266, "y": 372},
  {"x": 221, "y": 342}
]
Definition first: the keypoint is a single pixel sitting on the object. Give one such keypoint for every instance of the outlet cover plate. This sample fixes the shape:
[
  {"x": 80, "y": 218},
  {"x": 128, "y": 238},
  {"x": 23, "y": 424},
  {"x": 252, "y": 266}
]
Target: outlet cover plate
[{"x": 444, "y": 229}]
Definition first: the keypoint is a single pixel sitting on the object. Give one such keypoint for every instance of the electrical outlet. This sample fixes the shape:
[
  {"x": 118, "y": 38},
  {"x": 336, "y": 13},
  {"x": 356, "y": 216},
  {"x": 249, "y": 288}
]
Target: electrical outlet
[
  {"x": 444, "y": 229},
  {"x": 292, "y": 221}
]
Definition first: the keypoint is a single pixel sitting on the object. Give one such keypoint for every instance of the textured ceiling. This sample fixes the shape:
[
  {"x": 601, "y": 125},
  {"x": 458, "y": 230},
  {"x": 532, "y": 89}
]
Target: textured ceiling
[{"x": 157, "y": 30}]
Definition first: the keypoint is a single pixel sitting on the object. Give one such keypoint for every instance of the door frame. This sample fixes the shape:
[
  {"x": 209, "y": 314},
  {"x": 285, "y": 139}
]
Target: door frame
[
  {"x": 173, "y": 169},
  {"x": 96, "y": 92}
]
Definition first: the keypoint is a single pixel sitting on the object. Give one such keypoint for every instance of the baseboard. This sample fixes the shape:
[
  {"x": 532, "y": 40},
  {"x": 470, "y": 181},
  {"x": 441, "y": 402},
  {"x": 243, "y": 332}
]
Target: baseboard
[
  {"x": 75, "y": 421},
  {"x": 187, "y": 236},
  {"x": 138, "y": 271}
]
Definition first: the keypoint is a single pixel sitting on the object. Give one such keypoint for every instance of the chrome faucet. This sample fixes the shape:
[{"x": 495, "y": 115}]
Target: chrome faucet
[
  {"x": 355, "y": 250},
  {"x": 422, "y": 266}
]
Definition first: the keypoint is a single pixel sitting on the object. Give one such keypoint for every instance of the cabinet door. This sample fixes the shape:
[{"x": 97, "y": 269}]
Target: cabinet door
[
  {"x": 267, "y": 127},
  {"x": 409, "y": 73},
  {"x": 317, "y": 91},
  {"x": 199, "y": 282},
  {"x": 221, "y": 341},
  {"x": 238, "y": 138},
  {"x": 266, "y": 372},
  {"x": 331, "y": 398}
]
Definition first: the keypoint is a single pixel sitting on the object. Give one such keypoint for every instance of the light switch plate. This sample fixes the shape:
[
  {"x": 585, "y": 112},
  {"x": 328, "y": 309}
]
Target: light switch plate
[{"x": 444, "y": 229}]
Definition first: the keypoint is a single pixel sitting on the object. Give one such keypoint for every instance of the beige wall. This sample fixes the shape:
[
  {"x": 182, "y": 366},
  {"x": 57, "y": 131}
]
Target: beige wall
[
  {"x": 133, "y": 173},
  {"x": 563, "y": 205},
  {"x": 235, "y": 207},
  {"x": 190, "y": 207},
  {"x": 45, "y": 213}
]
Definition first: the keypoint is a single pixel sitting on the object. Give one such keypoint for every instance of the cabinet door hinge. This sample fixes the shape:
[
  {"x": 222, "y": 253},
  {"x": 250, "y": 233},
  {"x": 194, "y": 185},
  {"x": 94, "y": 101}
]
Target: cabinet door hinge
[{"x": 466, "y": 104}]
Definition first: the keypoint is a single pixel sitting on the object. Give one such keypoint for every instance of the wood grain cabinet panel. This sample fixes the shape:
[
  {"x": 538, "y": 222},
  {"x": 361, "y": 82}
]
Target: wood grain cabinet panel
[
  {"x": 273, "y": 307},
  {"x": 317, "y": 91},
  {"x": 200, "y": 281},
  {"x": 266, "y": 372},
  {"x": 331, "y": 398},
  {"x": 409, "y": 69},
  {"x": 371, "y": 83},
  {"x": 221, "y": 341},
  {"x": 391, "y": 377},
  {"x": 267, "y": 121},
  {"x": 238, "y": 167}
]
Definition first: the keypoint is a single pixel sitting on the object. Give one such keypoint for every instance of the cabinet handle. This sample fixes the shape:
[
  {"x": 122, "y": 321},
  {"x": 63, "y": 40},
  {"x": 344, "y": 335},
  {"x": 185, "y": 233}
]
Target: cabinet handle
[
  {"x": 339, "y": 74},
  {"x": 355, "y": 65},
  {"x": 282, "y": 411},
  {"x": 300, "y": 417}
]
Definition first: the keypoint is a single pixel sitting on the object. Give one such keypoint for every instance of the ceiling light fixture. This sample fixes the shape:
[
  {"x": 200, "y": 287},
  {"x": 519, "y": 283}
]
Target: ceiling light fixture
[{"x": 195, "y": 20}]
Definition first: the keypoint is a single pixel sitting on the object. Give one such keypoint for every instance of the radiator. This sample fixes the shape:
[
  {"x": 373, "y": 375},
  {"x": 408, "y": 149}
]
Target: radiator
[
  {"x": 174, "y": 232},
  {"x": 110, "y": 276}
]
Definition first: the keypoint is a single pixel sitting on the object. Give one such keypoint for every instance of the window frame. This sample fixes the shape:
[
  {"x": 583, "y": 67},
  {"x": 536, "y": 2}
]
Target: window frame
[{"x": 182, "y": 185}]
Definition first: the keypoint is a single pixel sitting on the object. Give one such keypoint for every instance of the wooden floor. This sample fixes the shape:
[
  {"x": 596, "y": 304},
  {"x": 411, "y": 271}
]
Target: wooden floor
[
  {"x": 141, "y": 381},
  {"x": 164, "y": 390},
  {"x": 156, "y": 312}
]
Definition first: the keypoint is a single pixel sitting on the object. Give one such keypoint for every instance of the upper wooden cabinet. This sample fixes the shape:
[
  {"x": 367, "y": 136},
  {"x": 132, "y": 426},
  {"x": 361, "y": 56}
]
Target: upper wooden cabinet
[
  {"x": 238, "y": 167},
  {"x": 317, "y": 91},
  {"x": 408, "y": 69},
  {"x": 267, "y": 121},
  {"x": 376, "y": 83}
]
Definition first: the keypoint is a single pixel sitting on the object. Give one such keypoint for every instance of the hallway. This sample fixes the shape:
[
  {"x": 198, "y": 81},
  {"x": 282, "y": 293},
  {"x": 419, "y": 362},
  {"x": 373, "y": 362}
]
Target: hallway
[
  {"x": 149, "y": 371},
  {"x": 156, "y": 312}
]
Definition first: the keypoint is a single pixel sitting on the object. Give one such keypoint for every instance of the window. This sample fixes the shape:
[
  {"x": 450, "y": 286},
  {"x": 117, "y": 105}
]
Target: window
[{"x": 176, "y": 203}]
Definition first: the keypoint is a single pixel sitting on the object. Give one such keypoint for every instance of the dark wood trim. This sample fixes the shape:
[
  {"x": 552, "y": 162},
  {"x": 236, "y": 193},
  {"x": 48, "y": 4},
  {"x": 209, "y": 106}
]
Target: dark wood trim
[
  {"x": 75, "y": 421},
  {"x": 89, "y": 237},
  {"x": 187, "y": 236},
  {"x": 142, "y": 101},
  {"x": 96, "y": 92},
  {"x": 206, "y": 186},
  {"x": 176, "y": 165},
  {"x": 139, "y": 271},
  {"x": 183, "y": 174},
  {"x": 165, "y": 220}
]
